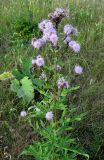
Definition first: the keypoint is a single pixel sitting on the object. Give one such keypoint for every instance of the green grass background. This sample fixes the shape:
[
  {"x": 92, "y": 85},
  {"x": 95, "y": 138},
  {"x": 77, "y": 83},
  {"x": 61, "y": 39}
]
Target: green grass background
[{"x": 15, "y": 36}]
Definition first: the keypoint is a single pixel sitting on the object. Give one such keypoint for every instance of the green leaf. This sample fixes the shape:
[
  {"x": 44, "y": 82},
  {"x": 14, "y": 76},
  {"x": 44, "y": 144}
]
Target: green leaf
[
  {"x": 29, "y": 151},
  {"x": 79, "y": 153},
  {"x": 25, "y": 90},
  {"x": 78, "y": 117},
  {"x": 59, "y": 106},
  {"x": 70, "y": 90},
  {"x": 38, "y": 82},
  {"x": 26, "y": 66},
  {"x": 73, "y": 89},
  {"x": 17, "y": 74},
  {"x": 15, "y": 85}
]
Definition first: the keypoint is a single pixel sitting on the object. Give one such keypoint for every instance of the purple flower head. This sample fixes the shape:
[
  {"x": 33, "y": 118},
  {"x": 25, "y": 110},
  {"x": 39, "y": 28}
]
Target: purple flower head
[
  {"x": 23, "y": 113},
  {"x": 62, "y": 83},
  {"x": 68, "y": 29},
  {"x": 78, "y": 69},
  {"x": 67, "y": 40},
  {"x": 49, "y": 25},
  {"x": 45, "y": 24},
  {"x": 42, "y": 25},
  {"x": 74, "y": 46},
  {"x": 37, "y": 43},
  {"x": 58, "y": 67},
  {"x": 54, "y": 39},
  {"x": 48, "y": 32},
  {"x": 45, "y": 38},
  {"x": 39, "y": 61},
  {"x": 49, "y": 116}
]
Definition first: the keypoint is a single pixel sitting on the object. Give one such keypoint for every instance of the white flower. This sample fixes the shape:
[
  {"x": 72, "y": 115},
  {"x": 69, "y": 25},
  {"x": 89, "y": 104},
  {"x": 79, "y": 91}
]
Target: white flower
[
  {"x": 23, "y": 113},
  {"x": 78, "y": 69},
  {"x": 49, "y": 115}
]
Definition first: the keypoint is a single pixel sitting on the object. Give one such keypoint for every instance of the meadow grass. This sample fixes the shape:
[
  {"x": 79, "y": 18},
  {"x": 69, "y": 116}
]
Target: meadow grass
[{"x": 88, "y": 17}]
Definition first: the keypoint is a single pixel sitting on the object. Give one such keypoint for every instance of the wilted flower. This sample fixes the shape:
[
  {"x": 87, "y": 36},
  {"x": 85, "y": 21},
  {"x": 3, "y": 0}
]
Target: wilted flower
[
  {"x": 54, "y": 39},
  {"x": 58, "y": 14},
  {"x": 37, "y": 43},
  {"x": 78, "y": 69},
  {"x": 74, "y": 46},
  {"x": 39, "y": 61},
  {"x": 43, "y": 76},
  {"x": 23, "y": 113},
  {"x": 58, "y": 67},
  {"x": 67, "y": 40},
  {"x": 62, "y": 83},
  {"x": 49, "y": 115}
]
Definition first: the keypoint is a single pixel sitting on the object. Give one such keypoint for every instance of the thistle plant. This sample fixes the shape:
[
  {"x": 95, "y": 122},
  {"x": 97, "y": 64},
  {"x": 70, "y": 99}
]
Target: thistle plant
[{"x": 48, "y": 113}]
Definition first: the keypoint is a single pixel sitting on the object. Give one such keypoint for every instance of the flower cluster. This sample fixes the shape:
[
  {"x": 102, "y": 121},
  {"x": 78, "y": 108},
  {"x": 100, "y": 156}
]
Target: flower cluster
[
  {"x": 46, "y": 89},
  {"x": 49, "y": 32},
  {"x": 68, "y": 31},
  {"x": 49, "y": 35}
]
